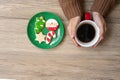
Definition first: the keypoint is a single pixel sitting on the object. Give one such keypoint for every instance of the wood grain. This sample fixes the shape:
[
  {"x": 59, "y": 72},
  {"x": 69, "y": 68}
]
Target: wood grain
[{"x": 20, "y": 60}]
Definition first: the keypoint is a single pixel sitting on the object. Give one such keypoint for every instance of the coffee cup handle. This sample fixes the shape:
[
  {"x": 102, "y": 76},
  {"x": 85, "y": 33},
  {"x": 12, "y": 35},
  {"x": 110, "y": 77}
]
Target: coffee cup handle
[{"x": 87, "y": 16}]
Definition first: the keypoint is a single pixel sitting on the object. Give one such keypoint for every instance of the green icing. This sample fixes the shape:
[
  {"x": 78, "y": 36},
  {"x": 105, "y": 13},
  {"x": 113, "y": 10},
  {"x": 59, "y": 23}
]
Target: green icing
[{"x": 39, "y": 24}]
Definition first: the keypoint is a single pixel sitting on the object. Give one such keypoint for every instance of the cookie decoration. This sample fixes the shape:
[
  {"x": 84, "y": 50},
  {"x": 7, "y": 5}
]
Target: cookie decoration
[
  {"x": 39, "y": 24},
  {"x": 51, "y": 25}
]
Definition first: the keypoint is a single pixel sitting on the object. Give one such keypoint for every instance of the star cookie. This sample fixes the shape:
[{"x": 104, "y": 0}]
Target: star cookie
[{"x": 40, "y": 37}]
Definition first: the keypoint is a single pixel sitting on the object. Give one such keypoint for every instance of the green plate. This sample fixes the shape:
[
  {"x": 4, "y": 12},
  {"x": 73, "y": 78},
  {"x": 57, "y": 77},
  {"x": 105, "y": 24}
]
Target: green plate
[{"x": 59, "y": 32}]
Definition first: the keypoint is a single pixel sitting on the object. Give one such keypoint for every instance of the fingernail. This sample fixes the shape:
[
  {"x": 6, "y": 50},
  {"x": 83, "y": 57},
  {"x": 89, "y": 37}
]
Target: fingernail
[
  {"x": 78, "y": 45},
  {"x": 102, "y": 38},
  {"x": 72, "y": 36},
  {"x": 94, "y": 46}
]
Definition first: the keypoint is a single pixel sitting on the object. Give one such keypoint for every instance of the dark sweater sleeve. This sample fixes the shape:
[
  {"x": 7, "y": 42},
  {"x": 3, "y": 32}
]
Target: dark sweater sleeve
[
  {"x": 71, "y": 8},
  {"x": 103, "y": 6}
]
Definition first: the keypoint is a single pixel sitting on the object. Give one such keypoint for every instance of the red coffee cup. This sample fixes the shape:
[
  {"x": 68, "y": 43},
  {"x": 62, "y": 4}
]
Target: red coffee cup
[{"x": 87, "y": 21}]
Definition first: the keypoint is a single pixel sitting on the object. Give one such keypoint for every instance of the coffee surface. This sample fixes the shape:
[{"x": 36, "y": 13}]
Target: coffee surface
[{"x": 86, "y": 33}]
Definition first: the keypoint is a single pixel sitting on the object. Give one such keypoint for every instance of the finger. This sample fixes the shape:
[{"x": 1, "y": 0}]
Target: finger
[
  {"x": 74, "y": 41},
  {"x": 102, "y": 26},
  {"x": 69, "y": 28},
  {"x": 100, "y": 39},
  {"x": 105, "y": 26},
  {"x": 104, "y": 23},
  {"x": 96, "y": 44},
  {"x": 72, "y": 37}
]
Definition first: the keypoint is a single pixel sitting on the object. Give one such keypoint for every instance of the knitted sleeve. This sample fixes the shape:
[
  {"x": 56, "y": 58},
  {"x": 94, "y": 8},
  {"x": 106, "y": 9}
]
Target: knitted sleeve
[
  {"x": 103, "y": 6},
  {"x": 71, "y": 8}
]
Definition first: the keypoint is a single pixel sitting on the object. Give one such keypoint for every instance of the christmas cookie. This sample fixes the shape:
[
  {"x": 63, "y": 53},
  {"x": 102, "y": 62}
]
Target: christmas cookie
[
  {"x": 40, "y": 37},
  {"x": 39, "y": 24},
  {"x": 51, "y": 25}
]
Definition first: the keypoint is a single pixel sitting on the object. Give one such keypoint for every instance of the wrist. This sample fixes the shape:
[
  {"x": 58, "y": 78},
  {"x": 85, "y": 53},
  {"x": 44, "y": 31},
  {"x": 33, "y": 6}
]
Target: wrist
[
  {"x": 77, "y": 18},
  {"x": 95, "y": 13}
]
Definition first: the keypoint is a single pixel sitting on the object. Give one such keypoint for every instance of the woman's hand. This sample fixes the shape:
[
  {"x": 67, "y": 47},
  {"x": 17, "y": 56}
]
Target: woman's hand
[
  {"x": 72, "y": 26},
  {"x": 99, "y": 20}
]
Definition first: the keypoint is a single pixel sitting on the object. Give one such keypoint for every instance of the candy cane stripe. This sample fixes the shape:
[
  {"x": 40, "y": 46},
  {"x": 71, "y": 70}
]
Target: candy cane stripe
[
  {"x": 48, "y": 39},
  {"x": 49, "y": 34}
]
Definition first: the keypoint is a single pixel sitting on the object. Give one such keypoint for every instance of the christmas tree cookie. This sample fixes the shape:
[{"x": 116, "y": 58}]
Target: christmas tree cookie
[{"x": 39, "y": 24}]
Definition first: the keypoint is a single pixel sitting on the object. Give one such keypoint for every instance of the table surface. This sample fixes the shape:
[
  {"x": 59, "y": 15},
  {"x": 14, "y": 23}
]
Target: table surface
[{"x": 20, "y": 60}]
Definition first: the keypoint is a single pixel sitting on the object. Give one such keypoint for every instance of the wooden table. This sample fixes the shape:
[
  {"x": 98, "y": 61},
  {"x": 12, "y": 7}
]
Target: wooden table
[{"x": 20, "y": 60}]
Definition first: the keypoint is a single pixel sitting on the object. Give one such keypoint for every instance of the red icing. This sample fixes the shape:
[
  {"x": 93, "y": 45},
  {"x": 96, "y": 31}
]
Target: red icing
[
  {"x": 48, "y": 39},
  {"x": 49, "y": 34},
  {"x": 52, "y": 28},
  {"x": 53, "y": 32}
]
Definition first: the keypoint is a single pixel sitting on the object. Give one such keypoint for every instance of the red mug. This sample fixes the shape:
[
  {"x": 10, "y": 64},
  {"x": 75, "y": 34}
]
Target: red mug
[{"x": 96, "y": 29}]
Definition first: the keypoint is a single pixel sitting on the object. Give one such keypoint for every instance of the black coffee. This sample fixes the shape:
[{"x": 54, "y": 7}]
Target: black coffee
[{"x": 86, "y": 33}]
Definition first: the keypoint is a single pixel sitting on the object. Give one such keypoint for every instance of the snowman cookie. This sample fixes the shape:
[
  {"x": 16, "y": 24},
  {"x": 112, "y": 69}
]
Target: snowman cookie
[{"x": 51, "y": 25}]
